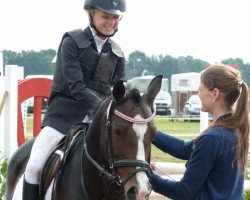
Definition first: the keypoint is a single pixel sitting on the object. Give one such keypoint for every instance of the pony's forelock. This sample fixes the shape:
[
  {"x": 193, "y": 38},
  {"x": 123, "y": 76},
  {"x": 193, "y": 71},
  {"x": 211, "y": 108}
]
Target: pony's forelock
[{"x": 135, "y": 95}]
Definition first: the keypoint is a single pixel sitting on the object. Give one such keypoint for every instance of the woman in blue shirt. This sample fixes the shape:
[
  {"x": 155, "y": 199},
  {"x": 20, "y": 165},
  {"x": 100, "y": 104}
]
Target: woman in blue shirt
[{"x": 217, "y": 158}]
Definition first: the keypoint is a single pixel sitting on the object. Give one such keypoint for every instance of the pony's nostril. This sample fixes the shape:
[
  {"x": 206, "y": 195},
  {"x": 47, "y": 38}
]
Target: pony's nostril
[{"x": 131, "y": 193}]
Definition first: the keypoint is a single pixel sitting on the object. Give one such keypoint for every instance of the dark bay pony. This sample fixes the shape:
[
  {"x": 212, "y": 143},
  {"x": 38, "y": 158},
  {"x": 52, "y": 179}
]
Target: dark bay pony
[{"x": 111, "y": 160}]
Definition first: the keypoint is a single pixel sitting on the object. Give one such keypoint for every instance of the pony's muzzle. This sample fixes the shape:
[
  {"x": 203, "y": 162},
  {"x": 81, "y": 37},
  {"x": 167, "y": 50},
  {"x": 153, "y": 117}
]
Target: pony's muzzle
[{"x": 136, "y": 193}]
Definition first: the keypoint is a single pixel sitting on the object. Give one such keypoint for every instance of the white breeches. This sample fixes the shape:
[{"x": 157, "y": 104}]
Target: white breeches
[{"x": 45, "y": 142}]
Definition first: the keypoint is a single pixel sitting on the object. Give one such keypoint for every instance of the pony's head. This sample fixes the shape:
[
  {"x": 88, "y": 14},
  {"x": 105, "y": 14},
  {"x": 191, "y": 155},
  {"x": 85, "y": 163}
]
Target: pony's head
[{"x": 128, "y": 133}]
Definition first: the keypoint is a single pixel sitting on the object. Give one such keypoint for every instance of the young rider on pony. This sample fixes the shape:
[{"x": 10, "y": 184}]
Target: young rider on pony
[{"x": 88, "y": 64}]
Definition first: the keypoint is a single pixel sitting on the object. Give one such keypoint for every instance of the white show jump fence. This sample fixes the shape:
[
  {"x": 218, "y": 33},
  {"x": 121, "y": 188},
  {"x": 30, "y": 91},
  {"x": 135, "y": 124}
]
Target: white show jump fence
[{"x": 8, "y": 117}]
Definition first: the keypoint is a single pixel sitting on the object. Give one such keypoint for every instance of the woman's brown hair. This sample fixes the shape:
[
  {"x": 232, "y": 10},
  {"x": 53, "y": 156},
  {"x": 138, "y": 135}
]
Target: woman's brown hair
[{"x": 235, "y": 92}]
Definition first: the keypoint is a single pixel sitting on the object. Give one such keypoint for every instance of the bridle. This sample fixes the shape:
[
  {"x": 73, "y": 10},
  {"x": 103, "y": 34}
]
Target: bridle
[{"x": 111, "y": 174}]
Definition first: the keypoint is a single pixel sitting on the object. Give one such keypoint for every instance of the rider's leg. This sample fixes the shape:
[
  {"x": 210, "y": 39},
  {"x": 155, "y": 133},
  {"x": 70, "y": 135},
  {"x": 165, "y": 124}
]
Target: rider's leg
[
  {"x": 43, "y": 145},
  {"x": 30, "y": 191}
]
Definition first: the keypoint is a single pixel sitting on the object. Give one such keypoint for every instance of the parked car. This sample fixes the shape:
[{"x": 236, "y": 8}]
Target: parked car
[
  {"x": 163, "y": 103},
  {"x": 192, "y": 106}
]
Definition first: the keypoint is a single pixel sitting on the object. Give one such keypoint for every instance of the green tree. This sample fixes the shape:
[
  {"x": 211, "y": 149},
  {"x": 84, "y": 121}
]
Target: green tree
[
  {"x": 32, "y": 61},
  {"x": 243, "y": 68},
  {"x": 137, "y": 63}
]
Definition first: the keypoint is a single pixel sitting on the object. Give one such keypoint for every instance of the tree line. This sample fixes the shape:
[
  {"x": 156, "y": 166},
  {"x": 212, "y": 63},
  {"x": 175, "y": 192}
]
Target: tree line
[{"x": 137, "y": 64}]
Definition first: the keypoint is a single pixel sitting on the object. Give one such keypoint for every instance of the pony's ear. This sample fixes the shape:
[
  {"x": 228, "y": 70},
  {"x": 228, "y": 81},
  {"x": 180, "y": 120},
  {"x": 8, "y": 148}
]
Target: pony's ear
[
  {"x": 119, "y": 91},
  {"x": 154, "y": 88}
]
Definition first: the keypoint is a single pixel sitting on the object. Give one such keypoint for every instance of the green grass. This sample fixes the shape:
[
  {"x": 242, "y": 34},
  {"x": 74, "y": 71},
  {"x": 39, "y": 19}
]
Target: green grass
[
  {"x": 177, "y": 127},
  {"x": 29, "y": 125}
]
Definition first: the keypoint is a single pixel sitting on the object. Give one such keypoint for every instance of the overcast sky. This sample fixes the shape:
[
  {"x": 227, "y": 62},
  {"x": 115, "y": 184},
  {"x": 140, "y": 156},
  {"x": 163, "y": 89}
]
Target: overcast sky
[{"x": 210, "y": 30}]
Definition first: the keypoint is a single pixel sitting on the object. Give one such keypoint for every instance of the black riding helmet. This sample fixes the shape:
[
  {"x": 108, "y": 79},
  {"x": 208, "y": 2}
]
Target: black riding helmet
[{"x": 116, "y": 7}]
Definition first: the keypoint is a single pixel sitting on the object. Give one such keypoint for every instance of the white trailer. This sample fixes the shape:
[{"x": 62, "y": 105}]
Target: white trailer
[
  {"x": 142, "y": 82},
  {"x": 182, "y": 87}
]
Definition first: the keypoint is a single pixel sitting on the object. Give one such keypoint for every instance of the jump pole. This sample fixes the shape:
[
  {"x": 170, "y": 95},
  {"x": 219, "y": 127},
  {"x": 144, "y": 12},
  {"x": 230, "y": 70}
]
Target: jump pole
[{"x": 5, "y": 95}]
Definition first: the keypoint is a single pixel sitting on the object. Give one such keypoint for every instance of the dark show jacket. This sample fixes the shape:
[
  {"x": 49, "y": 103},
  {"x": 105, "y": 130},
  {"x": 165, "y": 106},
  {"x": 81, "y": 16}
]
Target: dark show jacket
[{"x": 76, "y": 98}]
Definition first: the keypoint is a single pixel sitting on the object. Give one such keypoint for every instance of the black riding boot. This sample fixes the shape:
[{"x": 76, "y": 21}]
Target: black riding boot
[{"x": 30, "y": 191}]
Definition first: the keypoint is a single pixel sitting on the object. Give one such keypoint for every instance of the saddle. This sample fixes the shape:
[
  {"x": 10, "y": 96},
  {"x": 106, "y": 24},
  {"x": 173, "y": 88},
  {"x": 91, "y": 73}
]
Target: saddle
[{"x": 59, "y": 156}]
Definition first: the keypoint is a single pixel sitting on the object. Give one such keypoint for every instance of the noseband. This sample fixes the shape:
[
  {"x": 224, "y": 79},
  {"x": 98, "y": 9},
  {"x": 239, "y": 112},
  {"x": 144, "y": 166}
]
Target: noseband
[{"x": 112, "y": 174}]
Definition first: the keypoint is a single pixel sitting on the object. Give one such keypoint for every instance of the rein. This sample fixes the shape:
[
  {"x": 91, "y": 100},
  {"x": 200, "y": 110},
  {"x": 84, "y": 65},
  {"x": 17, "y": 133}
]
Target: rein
[{"x": 113, "y": 165}]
